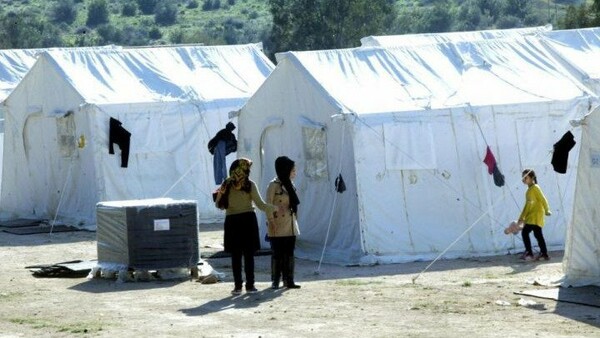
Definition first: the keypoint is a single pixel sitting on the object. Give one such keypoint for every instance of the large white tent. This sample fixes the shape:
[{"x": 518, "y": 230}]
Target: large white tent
[
  {"x": 407, "y": 128},
  {"x": 427, "y": 38},
  {"x": 581, "y": 261},
  {"x": 14, "y": 64},
  {"x": 171, "y": 99}
]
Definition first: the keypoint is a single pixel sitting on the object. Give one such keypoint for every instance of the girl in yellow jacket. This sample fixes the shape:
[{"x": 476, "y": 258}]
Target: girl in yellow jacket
[{"x": 532, "y": 216}]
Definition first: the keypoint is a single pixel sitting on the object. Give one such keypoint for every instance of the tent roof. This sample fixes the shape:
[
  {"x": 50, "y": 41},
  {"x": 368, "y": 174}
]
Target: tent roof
[
  {"x": 441, "y": 75},
  {"x": 580, "y": 47},
  {"x": 426, "y": 38},
  {"x": 15, "y": 63},
  {"x": 159, "y": 74}
]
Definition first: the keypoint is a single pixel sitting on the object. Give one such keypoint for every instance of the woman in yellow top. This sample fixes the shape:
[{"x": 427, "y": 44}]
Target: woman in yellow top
[
  {"x": 236, "y": 195},
  {"x": 282, "y": 223},
  {"x": 532, "y": 216}
]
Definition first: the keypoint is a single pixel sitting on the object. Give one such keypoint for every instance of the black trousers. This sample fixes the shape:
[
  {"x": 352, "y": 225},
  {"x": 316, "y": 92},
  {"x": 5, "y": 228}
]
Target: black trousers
[
  {"x": 283, "y": 246},
  {"x": 539, "y": 236},
  {"x": 236, "y": 266},
  {"x": 282, "y": 259}
]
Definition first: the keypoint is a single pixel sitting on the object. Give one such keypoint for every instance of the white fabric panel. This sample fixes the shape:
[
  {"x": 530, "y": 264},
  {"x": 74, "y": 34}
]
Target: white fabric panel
[
  {"x": 531, "y": 132},
  {"x": 426, "y": 38},
  {"x": 409, "y": 146},
  {"x": 581, "y": 262}
]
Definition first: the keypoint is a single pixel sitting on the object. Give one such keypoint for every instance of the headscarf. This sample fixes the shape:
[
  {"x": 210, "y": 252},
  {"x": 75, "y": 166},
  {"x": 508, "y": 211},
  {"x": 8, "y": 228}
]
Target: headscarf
[
  {"x": 283, "y": 168},
  {"x": 239, "y": 175}
]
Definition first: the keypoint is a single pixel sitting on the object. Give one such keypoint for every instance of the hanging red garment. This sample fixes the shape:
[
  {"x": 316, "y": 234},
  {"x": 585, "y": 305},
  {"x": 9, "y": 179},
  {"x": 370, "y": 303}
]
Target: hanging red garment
[{"x": 489, "y": 160}]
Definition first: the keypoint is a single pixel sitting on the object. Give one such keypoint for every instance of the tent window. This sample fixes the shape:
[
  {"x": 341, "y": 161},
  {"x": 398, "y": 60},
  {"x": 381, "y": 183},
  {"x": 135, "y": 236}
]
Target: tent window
[
  {"x": 409, "y": 146},
  {"x": 315, "y": 152},
  {"x": 595, "y": 159},
  {"x": 65, "y": 130},
  {"x": 533, "y": 136}
]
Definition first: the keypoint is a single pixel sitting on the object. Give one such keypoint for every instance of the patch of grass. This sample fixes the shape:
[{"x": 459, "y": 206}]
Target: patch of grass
[
  {"x": 77, "y": 327},
  {"x": 356, "y": 282},
  {"x": 9, "y": 296},
  {"x": 466, "y": 284}
]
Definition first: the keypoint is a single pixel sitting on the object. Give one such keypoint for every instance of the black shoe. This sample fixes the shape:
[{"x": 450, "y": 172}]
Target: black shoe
[
  {"x": 292, "y": 285},
  {"x": 236, "y": 291},
  {"x": 251, "y": 289},
  {"x": 275, "y": 286}
]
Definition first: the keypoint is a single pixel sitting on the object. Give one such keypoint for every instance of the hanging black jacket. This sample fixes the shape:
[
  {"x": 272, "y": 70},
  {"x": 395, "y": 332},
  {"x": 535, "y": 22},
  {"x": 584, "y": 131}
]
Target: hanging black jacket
[
  {"x": 227, "y": 136},
  {"x": 560, "y": 156},
  {"x": 119, "y": 135}
]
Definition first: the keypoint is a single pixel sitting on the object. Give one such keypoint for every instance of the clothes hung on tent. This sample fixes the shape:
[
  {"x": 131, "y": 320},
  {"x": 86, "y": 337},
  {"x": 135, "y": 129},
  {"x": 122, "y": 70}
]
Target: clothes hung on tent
[
  {"x": 221, "y": 145},
  {"x": 492, "y": 165},
  {"x": 560, "y": 156},
  {"x": 120, "y": 136}
]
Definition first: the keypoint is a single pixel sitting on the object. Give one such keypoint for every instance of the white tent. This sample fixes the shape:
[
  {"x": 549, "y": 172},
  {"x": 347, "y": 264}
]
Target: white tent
[
  {"x": 171, "y": 99},
  {"x": 407, "y": 128},
  {"x": 427, "y": 38},
  {"x": 14, "y": 64},
  {"x": 581, "y": 261},
  {"x": 580, "y": 51}
]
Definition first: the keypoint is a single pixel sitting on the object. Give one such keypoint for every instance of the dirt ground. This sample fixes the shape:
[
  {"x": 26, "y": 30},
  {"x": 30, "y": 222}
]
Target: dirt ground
[{"x": 454, "y": 298}]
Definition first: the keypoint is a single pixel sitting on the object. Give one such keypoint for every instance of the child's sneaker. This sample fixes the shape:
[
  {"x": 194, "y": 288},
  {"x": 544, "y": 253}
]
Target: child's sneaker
[
  {"x": 523, "y": 255},
  {"x": 542, "y": 257},
  {"x": 527, "y": 257}
]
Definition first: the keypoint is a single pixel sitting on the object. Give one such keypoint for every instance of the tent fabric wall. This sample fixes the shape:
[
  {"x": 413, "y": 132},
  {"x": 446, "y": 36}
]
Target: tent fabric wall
[
  {"x": 581, "y": 261},
  {"x": 171, "y": 99},
  {"x": 410, "y": 196}
]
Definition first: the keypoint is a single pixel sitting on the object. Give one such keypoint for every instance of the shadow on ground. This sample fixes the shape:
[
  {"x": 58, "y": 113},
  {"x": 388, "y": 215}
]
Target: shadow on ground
[{"x": 243, "y": 301}]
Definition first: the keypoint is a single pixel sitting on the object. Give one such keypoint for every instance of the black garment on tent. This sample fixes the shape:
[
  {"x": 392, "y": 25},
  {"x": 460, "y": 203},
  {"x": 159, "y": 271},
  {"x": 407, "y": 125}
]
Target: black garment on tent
[
  {"x": 226, "y": 135},
  {"x": 498, "y": 177},
  {"x": 119, "y": 135},
  {"x": 340, "y": 185},
  {"x": 561, "y": 152}
]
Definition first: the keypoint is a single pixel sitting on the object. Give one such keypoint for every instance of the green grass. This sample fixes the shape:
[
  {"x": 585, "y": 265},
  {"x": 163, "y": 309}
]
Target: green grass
[
  {"x": 9, "y": 296},
  {"x": 356, "y": 282},
  {"x": 77, "y": 327}
]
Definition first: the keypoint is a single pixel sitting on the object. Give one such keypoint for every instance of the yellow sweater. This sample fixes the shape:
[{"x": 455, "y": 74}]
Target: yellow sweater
[
  {"x": 241, "y": 201},
  {"x": 536, "y": 206}
]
